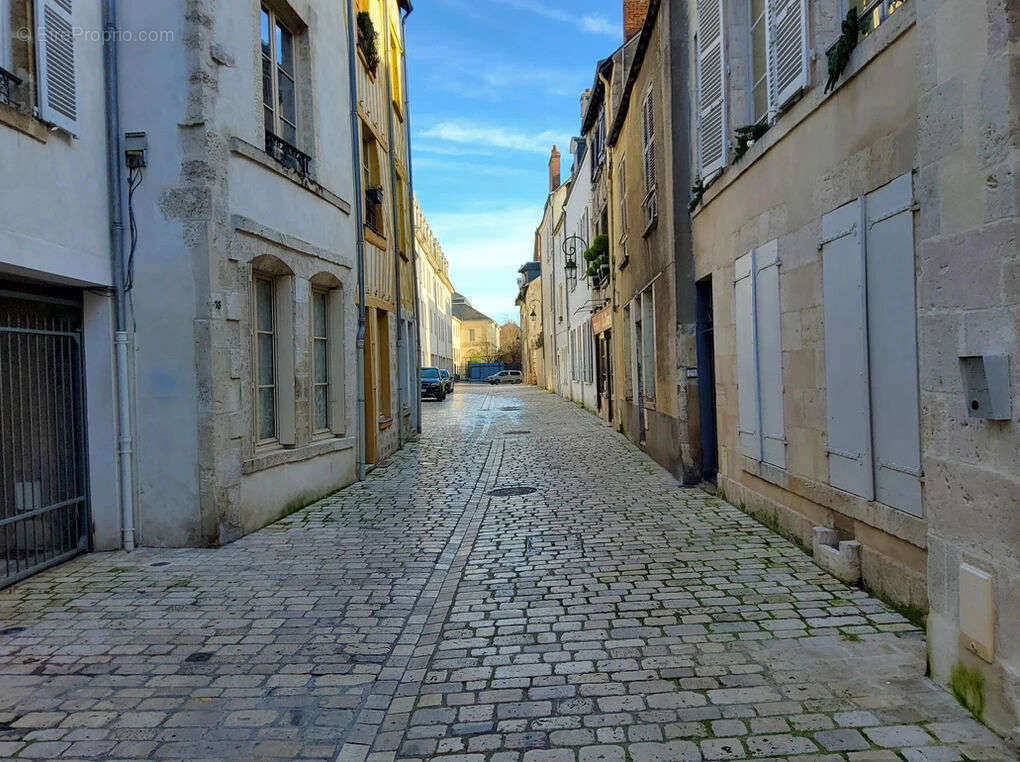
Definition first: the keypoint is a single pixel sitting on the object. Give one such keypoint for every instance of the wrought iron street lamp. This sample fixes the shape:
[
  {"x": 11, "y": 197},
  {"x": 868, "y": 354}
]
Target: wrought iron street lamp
[{"x": 571, "y": 246}]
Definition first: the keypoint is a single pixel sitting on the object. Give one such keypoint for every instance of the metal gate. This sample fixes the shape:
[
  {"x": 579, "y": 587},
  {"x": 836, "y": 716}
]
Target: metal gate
[{"x": 44, "y": 517}]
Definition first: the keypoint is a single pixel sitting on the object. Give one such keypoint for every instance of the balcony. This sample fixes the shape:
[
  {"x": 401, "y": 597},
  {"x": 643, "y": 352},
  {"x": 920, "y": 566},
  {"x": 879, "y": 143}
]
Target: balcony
[
  {"x": 288, "y": 155},
  {"x": 9, "y": 85}
]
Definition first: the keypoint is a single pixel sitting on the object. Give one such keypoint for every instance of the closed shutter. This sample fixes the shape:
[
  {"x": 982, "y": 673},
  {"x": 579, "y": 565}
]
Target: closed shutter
[
  {"x": 58, "y": 96},
  {"x": 770, "y": 354},
  {"x": 788, "y": 50},
  {"x": 711, "y": 52},
  {"x": 846, "y": 352},
  {"x": 648, "y": 142},
  {"x": 747, "y": 352},
  {"x": 892, "y": 314}
]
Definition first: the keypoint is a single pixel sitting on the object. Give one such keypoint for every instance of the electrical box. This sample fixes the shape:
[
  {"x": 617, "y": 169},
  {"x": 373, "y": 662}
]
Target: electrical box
[
  {"x": 986, "y": 384},
  {"x": 135, "y": 147},
  {"x": 977, "y": 612}
]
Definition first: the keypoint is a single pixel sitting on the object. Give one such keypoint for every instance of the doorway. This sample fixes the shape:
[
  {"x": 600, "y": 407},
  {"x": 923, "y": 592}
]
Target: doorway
[{"x": 706, "y": 380}]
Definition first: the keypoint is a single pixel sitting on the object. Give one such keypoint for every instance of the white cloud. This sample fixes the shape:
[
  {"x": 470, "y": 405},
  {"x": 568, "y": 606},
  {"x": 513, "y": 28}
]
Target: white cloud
[
  {"x": 592, "y": 24},
  {"x": 497, "y": 137}
]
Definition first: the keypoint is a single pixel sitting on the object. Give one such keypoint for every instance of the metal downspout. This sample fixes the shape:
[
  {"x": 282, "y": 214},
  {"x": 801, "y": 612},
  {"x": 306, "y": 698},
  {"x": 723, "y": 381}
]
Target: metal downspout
[
  {"x": 359, "y": 225},
  {"x": 116, "y": 203},
  {"x": 414, "y": 248}
]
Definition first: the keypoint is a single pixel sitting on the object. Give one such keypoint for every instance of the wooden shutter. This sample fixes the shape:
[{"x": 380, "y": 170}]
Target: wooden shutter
[
  {"x": 648, "y": 141},
  {"x": 846, "y": 351},
  {"x": 711, "y": 52},
  {"x": 770, "y": 354},
  {"x": 58, "y": 94},
  {"x": 748, "y": 412},
  {"x": 787, "y": 50},
  {"x": 892, "y": 314}
]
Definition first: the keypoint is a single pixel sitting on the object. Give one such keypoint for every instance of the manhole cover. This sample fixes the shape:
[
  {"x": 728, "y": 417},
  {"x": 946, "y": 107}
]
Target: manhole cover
[
  {"x": 522, "y": 431},
  {"x": 512, "y": 491},
  {"x": 200, "y": 656}
]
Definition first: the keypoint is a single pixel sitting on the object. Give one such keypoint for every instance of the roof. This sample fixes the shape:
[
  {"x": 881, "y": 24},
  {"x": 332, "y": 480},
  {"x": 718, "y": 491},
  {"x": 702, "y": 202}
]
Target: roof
[
  {"x": 635, "y": 68},
  {"x": 464, "y": 311}
]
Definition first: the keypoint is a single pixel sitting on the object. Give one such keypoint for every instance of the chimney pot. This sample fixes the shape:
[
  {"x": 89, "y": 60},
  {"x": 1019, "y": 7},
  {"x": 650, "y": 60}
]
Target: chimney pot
[
  {"x": 554, "y": 169},
  {"x": 634, "y": 12}
]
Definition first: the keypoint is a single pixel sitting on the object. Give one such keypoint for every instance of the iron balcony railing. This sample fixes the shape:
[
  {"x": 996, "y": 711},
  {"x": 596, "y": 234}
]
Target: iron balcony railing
[
  {"x": 288, "y": 155},
  {"x": 9, "y": 83}
]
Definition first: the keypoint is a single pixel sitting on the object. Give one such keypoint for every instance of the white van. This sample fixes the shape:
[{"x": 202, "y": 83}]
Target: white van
[{"x": 507, "y": 377}]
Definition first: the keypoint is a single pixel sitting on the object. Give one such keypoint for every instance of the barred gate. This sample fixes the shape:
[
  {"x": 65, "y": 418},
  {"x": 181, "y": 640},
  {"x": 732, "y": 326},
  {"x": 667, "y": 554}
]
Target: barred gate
[{"x": 44, "y": 516}]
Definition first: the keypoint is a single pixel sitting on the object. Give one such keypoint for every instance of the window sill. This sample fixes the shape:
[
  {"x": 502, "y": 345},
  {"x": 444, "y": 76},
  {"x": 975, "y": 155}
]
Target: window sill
[
  {"x": 374, "y": 238},
  {"x": 385, "y": 422},
  {"x": 241, "y": 147},
  {"x": 279, "y": 456},
  {"x": 867, "y": 50},
  {"x": 16, "y": 119}
]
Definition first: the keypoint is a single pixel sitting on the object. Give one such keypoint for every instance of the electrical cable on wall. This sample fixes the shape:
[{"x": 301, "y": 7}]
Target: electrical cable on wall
[{"x": 136, "y": 174}]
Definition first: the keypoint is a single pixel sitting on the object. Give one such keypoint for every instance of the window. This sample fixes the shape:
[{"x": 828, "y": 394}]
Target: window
[
  {"x": 648, "y": 343},
  {"x": 874, "y": 12},
  {"x": 871, "y": 378},
  {"x": 402, "y": 244},
  {"x": 628, "y": 360},
  {"x": 759, "y": 356},
  {"x": 623, "y": 209},
  {"x": 471, "y": 335},
  {"x": 265, "y": 360},
  {"x": 710, "y": 52},
  {"x": 320, "y": 362},
  {"x": 372, "y": 182},
  {"x": 6, "y": 57},
  {"x": 648, "y": 141},
  {"x": 759, "y": 66},
  {"x": 279, "y": 94},
  {"x": 383, "y": 362}
]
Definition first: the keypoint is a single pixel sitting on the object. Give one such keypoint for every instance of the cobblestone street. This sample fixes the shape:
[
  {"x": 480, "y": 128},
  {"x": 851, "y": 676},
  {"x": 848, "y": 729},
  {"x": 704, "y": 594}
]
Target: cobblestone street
[{"x": 610, "y": 615}]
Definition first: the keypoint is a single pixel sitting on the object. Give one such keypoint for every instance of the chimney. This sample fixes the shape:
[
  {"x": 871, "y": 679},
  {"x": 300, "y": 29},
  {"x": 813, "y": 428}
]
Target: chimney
[
  {"x": 634, "y": 12},
  {"x": 554, "y": 169}
]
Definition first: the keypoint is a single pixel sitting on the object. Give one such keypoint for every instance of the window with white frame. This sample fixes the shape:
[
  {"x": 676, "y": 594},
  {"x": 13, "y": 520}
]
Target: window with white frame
[
  {"x": 320, "y": 361},
  {"x": 759, "y": 61},
  {"x": 874, "y": 12},
  {"x": 710, "y": 55},
  {"x": 5, "y": 36},
  {"x": 648, "y": 141},
  {"x": 265, "y": 361},
  {"x": 759, "y": 356},
  {"x": 279, "y": 91},
  {"x": 623, "y": 202}
]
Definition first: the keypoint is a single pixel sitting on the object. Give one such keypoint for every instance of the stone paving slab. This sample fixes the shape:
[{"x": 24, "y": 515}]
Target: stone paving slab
[{"x": 608, "y": 615}]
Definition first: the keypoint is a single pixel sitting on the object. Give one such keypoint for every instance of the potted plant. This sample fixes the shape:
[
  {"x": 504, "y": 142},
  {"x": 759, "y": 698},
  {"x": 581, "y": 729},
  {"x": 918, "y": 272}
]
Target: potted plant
[{"x": 368, "y": 41}]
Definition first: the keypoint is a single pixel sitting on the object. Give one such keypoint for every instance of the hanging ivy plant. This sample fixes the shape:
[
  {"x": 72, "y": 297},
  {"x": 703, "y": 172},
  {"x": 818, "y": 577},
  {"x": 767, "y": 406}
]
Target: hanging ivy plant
[
  {"x": 368, "y": 41},
  {"x": 597, "y": 255},
  {"x": 839, "y": 53},
  {"x": 697, "y": 192},
  {"x": 747, "y": 136}
]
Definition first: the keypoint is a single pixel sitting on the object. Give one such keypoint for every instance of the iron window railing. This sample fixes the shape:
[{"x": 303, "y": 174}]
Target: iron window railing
[
  {"x": 288, "y": 155},
  {"x": 9, "y": 84}
]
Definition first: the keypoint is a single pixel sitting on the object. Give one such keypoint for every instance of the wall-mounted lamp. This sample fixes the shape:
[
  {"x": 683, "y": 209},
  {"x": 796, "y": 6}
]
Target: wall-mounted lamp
[{"x": 571, "y": 246}]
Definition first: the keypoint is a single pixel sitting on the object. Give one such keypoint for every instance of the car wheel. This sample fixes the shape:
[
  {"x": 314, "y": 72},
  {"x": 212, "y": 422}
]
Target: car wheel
[{"x": 441, "y": 397}]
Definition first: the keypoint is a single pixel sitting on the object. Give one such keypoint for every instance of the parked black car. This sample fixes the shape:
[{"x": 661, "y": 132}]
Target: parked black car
[
  {"x": 432, "y": 384},
  {"x": 447, "y": 380}
]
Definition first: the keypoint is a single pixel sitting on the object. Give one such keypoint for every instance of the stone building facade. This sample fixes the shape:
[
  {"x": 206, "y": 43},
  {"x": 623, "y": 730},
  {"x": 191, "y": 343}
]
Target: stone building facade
[
  {"x": 479, "y": 334},
  {"x": 435, "y": 293},
  {"x": 841, "y": 305}
]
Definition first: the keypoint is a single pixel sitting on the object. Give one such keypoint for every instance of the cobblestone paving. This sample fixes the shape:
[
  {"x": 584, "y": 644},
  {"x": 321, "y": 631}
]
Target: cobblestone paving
[{"x": 609, "y": 615}]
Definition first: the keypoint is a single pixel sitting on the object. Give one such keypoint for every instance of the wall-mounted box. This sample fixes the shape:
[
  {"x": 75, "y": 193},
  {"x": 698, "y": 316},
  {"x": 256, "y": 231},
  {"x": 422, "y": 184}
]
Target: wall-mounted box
[{"x": 986, "y": 386}]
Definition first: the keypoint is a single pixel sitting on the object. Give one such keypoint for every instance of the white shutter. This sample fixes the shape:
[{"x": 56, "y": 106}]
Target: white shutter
[
  {"x": 770, "y": 354},
  {"x": 648, "y": 141},
  {"x": 711, "y": 53},
  {"x": 787, "y": 50},
  {"x": 58, "y": 94},
  {"x": 892, "y": 314},
  {"x": 748, "y": 411},
  {"x": 846, "y": 351}
]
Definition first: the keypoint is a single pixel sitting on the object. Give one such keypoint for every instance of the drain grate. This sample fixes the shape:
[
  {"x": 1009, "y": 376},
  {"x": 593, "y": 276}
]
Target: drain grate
[
  {"x": 512, "y": 491},
  {"x": 12, "y": 631},
  {"x": 160, "y": 563},
  {"x": 509, "y": 409},
  {"x": 522, "y": 431},
  {"x": 200, "y": 656}
]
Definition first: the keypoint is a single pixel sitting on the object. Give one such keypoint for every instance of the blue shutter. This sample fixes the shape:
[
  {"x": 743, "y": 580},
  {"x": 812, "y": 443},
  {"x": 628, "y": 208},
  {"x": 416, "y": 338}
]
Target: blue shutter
[
  {"x": 892, "y": 315},
  {"x": 846, "y": 351},
  {"x": 770, "y": 354}
]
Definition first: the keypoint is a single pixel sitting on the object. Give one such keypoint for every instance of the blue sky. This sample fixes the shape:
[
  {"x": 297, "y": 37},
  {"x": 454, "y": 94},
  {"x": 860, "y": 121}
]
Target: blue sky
[{"x": 493, "y": 84}]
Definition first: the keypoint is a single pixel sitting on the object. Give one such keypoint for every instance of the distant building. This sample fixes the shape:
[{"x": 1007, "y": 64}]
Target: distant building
[
  {"x": 435, "y": 296},
  {"x": 479, "y": 334}
]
